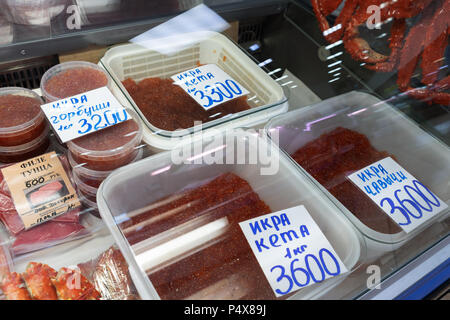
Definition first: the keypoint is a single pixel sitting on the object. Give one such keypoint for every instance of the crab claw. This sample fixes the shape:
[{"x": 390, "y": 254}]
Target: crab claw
[
  {"x": 37, "y": 278},
  {"x": 14, "y": 287},
  {"x": 72, "y": 285}
]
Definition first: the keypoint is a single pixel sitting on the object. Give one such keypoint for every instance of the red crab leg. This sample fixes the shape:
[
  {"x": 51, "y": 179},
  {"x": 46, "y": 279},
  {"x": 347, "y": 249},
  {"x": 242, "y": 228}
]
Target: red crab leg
[
  {"x": 14, "y": 287},
  {"x": 412, "y": 49},
  {"x": 72, "y": 285},
  {"x": 436, "y": 42},
  {"x": 342, "y": 20},
  {"x": 37, "y": 278},
  {"x": 358, "y": 47},
  {"x": 395, "y": 44}
]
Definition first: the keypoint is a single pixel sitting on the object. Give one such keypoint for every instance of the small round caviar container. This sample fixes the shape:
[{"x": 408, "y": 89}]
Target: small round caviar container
[
  {"x": 89, "y": 191},
  {"x": 89, "y": 202},
  {"x": 26, "y": 151},
  {"x": 92, "y": 178},
  {"x": 21, "y": 117},
  {"x": 71, "y": 78},
  {"x": 109, "y": 148}
]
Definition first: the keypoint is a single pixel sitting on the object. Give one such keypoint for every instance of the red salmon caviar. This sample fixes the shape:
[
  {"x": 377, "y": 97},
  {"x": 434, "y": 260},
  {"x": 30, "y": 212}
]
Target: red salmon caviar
[
  {"x": 21, "y": 117},
  {"x": 335, "y": 155},
  {"x": 72, "y": 78},
  {"x": 169, "y": 107},
  {"x": 229, "y": 260},
  {"x": 109, "y": 148}
]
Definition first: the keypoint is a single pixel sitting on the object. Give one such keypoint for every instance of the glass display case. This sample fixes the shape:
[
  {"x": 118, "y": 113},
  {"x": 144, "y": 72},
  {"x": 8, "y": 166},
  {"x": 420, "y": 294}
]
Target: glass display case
[{"x": 348, "y": 103}]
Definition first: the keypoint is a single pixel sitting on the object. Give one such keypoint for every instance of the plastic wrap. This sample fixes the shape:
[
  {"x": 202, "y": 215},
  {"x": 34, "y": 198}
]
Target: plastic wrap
[
  {"x": 85, "y": 269},
  {"x": 71, "y": 225},
  {"x": 110, "y": 275}
]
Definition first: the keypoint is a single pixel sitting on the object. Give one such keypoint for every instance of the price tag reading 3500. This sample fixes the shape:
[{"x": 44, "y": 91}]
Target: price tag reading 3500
[
  {"x": 405, "y": 199},
  {"x": 209, "y": 85}
]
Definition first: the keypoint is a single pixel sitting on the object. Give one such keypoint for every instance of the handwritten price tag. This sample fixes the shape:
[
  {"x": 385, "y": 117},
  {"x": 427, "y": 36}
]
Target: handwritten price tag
[
  {"x": 85, "y": 113},
  {"x": 405, "y": 199},
  {"x": 209, "y": 85},
  {"x": 291, "y": 250}
]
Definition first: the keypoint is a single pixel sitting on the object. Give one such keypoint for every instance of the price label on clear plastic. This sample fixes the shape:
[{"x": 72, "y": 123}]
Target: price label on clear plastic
[
  {"x": 399, "y": 194},
  {"x": 84, "y": 113},
  {"x": 291, "y": 250},
  {"x": 209, "y": 85}
]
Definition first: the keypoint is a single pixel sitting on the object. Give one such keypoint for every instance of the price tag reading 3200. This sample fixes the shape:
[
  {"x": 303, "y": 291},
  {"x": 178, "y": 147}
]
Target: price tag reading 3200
[
  {"x": 405, "y": 199},
  {"x": 84, "y": 113},
  {"x": 209, "y": 85}
]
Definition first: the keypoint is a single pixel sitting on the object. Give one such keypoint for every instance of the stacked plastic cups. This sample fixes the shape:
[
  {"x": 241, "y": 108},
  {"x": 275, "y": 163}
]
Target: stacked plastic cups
[
  {"x": 23, "y": 127},
  {"x": 94, "y": 156}
]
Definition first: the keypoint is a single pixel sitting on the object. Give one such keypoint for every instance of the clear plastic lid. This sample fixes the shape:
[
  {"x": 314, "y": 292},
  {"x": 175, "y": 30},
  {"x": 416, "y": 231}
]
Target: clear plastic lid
[
  {"x": 71, "y": 78},
  {"x": 336, "y": 137},
  {"x": 175, "y": 218},
  {"x": 24, "y": 120},
  {"x": 143, "y": 76},
  {"x": 122, "y": 138},
  {"x": 24, "y": 148}
]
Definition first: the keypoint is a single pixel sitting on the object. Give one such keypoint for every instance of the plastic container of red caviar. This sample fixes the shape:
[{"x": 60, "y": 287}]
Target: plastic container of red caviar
[
  {"x": 136, "y": 63},
  {"x": 89, "y": 191},
  {"x": 109, "y": 148},
  {"x": 390, "y": 133},
  {"x": 21, "y": 117},
  {"x": 90, "y": 177},
  {"x": 28, "y": 150},
  {"x": 71, "y": 78},
  {"x": 164, "y": 241}
]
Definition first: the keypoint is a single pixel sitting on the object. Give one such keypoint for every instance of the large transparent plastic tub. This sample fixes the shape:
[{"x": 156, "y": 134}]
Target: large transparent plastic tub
[
  {"x": 134, "y": 189},
  {"x": 422, "y": 155}
]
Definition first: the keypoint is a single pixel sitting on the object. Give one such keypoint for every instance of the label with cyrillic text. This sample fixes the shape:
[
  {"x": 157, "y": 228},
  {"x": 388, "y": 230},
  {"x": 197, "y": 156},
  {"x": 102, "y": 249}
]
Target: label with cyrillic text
[
  {"x": 209, "y": 85},
  {"x": 399, "y": 194},
  {"x": 291, "y": 250},
  {"x": 85, "y": 113},
  {"x": 40, "y": 189}
]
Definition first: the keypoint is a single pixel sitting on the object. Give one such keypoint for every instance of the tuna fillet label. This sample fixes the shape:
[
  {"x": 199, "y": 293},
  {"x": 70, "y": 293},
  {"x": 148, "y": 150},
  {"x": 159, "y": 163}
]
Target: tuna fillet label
[{"x": 41, "y": 189}]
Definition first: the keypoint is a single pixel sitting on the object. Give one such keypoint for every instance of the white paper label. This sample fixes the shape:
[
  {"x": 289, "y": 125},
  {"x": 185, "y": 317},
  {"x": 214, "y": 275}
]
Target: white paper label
[
  {"x": 85, "y": 113},
  {"x": 405, "y": 199},
  {"x": 291, "y": 250},
  {"x": 209, "y": 85}
]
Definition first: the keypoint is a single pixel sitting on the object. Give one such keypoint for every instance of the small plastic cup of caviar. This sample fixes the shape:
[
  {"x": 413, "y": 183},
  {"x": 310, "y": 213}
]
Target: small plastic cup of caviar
[
  {"x": 89, "y": 191},
  {"x": 71, "y": 78},
  {"x": 90, "y": 177},
  {"x": 89, "y": 202},
  {"x": 21, "y": 117},
  {"x": 27, "y": 150},
  {"x": 109, "y": 148}
]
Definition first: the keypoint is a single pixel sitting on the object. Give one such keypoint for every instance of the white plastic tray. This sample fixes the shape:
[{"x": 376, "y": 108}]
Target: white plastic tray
[
  {"x": 137, "y": 62},
  {"x": 287, "y": 188}
]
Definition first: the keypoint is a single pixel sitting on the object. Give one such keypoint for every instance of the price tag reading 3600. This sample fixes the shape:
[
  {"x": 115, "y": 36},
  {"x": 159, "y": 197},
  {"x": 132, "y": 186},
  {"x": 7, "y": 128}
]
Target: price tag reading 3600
[
  {"x": 209, "y": 85},
  {"x": 405, "y": 199},
  {"x": 291, "y": 250}
]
